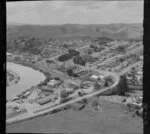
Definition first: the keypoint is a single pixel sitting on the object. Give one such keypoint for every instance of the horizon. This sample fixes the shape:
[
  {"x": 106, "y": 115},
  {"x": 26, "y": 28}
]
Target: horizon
[
  {"x": 74, "y": 12},
  {"x": 15, "y": 23}
]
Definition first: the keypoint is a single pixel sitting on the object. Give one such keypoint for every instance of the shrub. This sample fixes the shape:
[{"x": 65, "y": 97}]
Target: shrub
[
  {"x": 97, "y": 86},
  {"x": 64, "y": 57},
  {"x": 64, "y": 94},
  {"x": 71, "y": 53},
  {"x": 79, "y": 60},
  {"x": 122, "y": 87},
  {"x": 65, "y": 100}
]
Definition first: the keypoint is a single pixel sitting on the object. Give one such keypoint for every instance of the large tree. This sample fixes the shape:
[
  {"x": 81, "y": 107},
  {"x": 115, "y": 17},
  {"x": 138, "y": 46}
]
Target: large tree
[{"x": 122, "y": 87}]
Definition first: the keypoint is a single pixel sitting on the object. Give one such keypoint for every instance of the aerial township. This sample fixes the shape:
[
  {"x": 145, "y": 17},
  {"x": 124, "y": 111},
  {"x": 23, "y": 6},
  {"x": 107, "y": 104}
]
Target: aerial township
[{"x": 74, "y": 74}]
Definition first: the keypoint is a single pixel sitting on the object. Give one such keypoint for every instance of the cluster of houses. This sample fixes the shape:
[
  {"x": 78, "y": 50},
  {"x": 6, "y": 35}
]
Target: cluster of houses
[
  {"x": 24, "y": 57},
  {"x": 120, "y": 62},
  {"x": 53, "y": 92}
]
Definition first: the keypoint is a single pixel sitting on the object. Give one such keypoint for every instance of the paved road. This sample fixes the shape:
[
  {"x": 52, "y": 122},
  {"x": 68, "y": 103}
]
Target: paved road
[
  {"x": 129, "y": 67},
  {"x": 105, "y": 51},
  {"x": 117, "y": 56},
  {"x": 48, "y": 109}
]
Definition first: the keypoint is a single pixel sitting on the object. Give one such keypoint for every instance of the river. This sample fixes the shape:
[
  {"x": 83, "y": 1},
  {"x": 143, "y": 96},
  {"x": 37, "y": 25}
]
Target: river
[{"x": 28, "y": 78}]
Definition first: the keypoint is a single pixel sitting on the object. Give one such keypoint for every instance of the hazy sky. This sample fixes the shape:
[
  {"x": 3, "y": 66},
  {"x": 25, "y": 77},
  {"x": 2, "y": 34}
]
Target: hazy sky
[{"x": 79, "y": 12}]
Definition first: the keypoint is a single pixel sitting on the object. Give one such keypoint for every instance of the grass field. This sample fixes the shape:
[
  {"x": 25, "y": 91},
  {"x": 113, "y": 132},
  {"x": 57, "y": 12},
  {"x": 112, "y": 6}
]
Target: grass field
[{"x": 112, "y": 119}]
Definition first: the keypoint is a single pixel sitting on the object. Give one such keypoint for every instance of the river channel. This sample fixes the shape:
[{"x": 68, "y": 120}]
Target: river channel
[{"x": 28, "y": 78}]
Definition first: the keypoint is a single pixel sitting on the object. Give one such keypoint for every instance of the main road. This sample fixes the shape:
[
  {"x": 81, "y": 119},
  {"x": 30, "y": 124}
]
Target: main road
[{"x": 50, "y": 108}]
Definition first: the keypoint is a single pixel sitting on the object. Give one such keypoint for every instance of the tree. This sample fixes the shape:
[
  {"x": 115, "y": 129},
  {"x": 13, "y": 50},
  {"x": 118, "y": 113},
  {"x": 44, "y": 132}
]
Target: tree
[
  {"x": 79, "y": 60},
  {"x": 121, "y": 49},
  {"x": 85, "y": 101},
  {"x": 97, "y": 86},
  {"x": 80, "y": 94},
  {"x": 70, "y": 73},
  {"x": 108, "y": 81},
  {"x": 95, "y": 103},
  {"x": 122, "y": 87},
  {"x": 64, "y": 57},
  {"x": 64, "y": 94},
  {"x": 65, "y": 45},
  {"x": 73, "y": 52},
  {"x": 89, "y": 51},
  {"x": 94, "y": 47}
]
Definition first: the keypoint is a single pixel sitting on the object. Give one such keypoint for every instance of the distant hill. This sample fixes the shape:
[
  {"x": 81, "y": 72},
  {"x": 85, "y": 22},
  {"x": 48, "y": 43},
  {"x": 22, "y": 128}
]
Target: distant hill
[{"x": 114, "y": 31}]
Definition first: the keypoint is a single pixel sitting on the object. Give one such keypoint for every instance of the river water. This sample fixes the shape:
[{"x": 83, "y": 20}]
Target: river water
[{"x": 28, "y": 78}]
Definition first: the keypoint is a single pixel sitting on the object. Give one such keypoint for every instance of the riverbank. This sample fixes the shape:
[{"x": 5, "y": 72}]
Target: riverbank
[
  {"x": 23, "y": 63},
  {"x": 12, "y": 78},
  {"x": 29, "y": 77},
  {"x": 49, "y": 108}
]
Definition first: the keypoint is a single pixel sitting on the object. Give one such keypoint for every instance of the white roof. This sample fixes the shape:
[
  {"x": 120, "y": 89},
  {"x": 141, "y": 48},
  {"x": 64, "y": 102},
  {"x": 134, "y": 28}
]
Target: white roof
[
  {"x": 94, "y": 76},
  {"x": 141, "y": 57},
  {"x": 8, "y": 53},
  {"x": 52, "y": 82},
  {"x": 69, "y": 89},
  {"x": 139, "y": 72}
]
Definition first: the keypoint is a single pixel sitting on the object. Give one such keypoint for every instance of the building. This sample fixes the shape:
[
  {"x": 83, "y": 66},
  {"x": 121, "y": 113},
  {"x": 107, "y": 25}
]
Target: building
[
  {"x": 47, "y": 89},
  {"x": 33, "y": 95},
  {"x": 88, "y": 90},
  {"x": 53, "y": 83},
  {"x": 139, "y": 73},
  {"x": 44, "y": 100},
  {"x": 94, "y": 76},
  {"x": 141, "y": 57},
  {"x": 8, "y": 54}
]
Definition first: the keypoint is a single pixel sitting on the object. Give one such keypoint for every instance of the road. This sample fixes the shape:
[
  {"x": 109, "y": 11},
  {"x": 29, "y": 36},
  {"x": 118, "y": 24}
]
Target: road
[
  {"x": 129, "y": 67},
  {"x": 117, "y": 56},
  {"x": 57, "y": 73},
  {"x": 48, "y": 109}
]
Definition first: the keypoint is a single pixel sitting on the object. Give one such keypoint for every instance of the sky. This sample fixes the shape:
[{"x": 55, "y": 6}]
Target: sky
[{"x": 75, "y": 12}]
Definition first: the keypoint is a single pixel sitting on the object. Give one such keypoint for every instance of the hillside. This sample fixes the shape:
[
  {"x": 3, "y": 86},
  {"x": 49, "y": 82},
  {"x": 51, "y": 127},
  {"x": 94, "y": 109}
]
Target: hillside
[
  {"x": 114, "y": 31},
  {"x": 37, "y": 39}
]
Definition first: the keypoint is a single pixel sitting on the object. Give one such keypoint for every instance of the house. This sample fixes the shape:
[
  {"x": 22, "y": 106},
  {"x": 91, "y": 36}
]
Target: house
[
  {"x": 33, "y": 95},
  {"x": 94, "y": 76},
  {"x": 47, "y": 88},
  {"x": 88, "y": 90},
  {"x": 8, "y": 54},
  {"x": 53, "y": 82},
  {"x": 98, "y": 76},
  {"x": 141, "y": 57},
  {"x": 44, "y": 100},
  {"x": 139, "y": 73}
]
